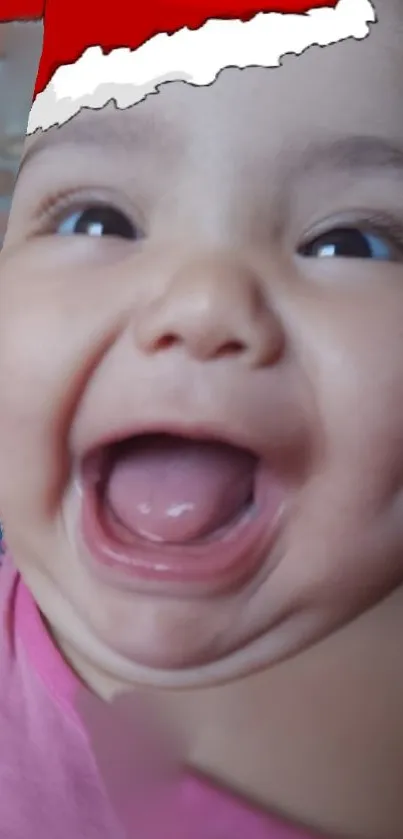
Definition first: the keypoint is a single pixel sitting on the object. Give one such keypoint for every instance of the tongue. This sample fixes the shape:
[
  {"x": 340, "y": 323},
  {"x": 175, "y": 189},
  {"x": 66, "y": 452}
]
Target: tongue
[{"x": 174, "y": 490}]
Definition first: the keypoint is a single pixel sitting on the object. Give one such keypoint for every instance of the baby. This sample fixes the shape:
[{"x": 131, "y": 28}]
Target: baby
[{"x": 201, "y": 447}]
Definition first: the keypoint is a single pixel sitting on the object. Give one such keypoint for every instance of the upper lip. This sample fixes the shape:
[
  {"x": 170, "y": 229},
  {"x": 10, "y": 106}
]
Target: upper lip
[
  {"x": 274, "y": 431},
  {"x": 213, "y": 432}
]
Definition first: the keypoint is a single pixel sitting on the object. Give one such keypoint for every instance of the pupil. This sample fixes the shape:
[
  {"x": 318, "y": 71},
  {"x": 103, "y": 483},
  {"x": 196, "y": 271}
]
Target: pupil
[
  {"x": 103, "y": 221},
  {"x": 344, "y": 242}
]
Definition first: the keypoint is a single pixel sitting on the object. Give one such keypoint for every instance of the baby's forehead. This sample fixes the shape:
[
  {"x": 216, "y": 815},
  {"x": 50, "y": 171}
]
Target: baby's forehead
[
  {"x": 348, "y": 88},
  {"x": 112, "y": 133}
]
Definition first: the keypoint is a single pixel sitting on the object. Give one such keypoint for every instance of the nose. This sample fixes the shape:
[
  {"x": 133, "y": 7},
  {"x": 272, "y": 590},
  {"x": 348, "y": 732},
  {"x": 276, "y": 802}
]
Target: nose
[{"x": 213, "y": 307}]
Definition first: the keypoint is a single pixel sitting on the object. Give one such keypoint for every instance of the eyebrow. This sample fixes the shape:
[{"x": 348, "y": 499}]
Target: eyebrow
[
  {"x": 103, "y": 134},
  {"x": 349, "y": 154}
]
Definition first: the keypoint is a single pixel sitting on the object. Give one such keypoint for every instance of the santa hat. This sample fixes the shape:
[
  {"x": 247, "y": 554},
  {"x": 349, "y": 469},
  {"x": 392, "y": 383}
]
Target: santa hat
[{"x": 95, "y": 51}]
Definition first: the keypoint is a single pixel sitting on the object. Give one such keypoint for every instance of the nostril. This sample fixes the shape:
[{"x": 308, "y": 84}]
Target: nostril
[
  {"x": 230, "y": 348},
  {"x": 165, "y": 342}
]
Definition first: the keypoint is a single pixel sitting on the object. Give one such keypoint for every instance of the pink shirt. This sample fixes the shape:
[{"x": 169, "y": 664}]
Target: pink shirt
[{"x": 49, "y": 783}]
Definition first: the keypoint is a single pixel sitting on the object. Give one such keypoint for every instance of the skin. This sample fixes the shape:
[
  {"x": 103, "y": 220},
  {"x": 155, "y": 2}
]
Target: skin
[{"x": 227, "y": 184}]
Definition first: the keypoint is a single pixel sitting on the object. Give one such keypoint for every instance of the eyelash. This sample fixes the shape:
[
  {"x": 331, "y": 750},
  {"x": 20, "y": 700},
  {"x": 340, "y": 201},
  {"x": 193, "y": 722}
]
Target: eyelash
[
  {"x": 375, "y": 224},
  {"x": 53, "y": 210}
]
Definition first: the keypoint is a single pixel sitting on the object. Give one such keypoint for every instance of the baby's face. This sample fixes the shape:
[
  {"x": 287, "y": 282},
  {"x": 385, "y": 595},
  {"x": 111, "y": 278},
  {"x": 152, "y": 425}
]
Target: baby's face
[{"x": 219, "y": 262}]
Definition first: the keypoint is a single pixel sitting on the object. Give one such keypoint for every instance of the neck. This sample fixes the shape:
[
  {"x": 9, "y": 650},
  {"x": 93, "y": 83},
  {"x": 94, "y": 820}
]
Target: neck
[{"x": 320, "y": 736}]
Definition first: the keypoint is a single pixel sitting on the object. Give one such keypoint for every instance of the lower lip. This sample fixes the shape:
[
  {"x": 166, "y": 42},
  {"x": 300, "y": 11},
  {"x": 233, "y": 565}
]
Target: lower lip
[{"x": 210, "y": 567}]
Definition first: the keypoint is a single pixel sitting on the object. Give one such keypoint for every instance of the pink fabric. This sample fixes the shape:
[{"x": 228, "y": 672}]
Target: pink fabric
[{"x": 49, "y": 784}]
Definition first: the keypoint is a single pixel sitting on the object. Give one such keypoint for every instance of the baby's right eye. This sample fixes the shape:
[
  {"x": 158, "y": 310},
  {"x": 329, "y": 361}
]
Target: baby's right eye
[{"x": 98, "y": 220}]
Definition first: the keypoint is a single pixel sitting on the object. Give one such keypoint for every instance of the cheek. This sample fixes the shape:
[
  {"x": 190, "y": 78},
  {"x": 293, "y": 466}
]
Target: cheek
[
  {"x": 49, "y": 338},
  {"x": 28, "y": 360},
  {"x": 359, "y": 372},
  {"x": 59, "y": 314},
  {"x": 349, "y": 524}
]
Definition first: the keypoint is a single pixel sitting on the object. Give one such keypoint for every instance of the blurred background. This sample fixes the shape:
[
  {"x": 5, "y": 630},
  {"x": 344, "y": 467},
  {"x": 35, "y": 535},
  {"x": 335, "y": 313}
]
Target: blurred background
[{"x": 20, "y": 47}]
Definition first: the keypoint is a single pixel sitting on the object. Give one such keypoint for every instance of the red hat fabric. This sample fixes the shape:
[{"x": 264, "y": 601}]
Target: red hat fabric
[{"x": 94, "y": 51}]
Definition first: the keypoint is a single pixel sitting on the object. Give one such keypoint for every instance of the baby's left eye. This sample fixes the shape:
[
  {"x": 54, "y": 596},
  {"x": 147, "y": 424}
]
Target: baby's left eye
[{"x": 350, "y": 243}]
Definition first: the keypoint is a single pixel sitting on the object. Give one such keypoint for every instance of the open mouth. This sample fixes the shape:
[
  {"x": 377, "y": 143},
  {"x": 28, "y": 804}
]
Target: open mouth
[
  {"x": 174, "y": 508},
  {"x": 174, "y": 490}
]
